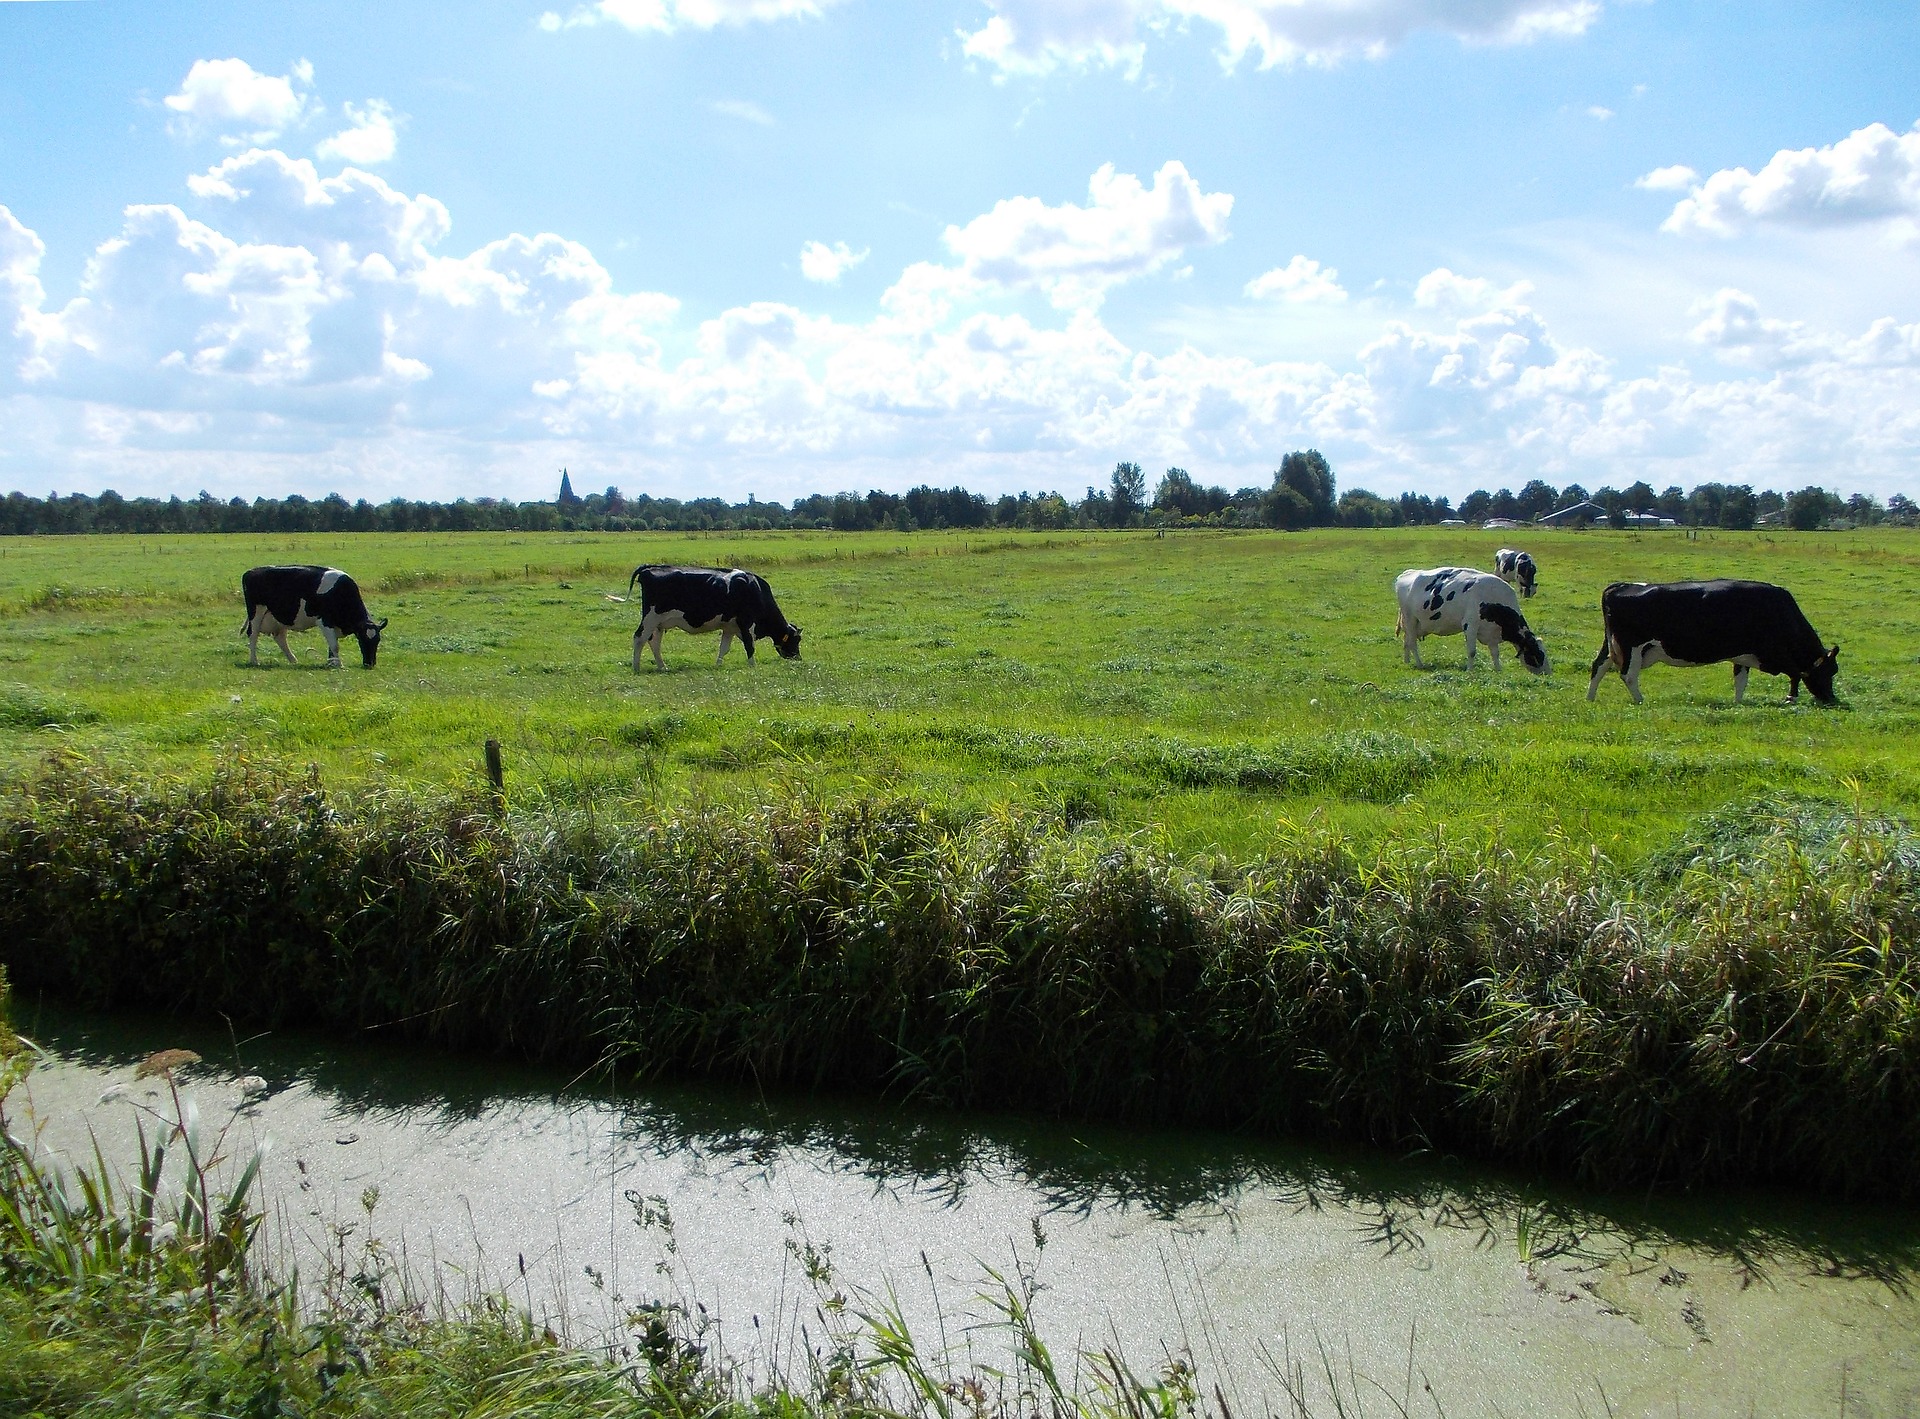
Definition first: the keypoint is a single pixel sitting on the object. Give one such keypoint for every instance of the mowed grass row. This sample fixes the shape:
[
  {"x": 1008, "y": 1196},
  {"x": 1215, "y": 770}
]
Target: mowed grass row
[{"x": 1219, "y": 688}]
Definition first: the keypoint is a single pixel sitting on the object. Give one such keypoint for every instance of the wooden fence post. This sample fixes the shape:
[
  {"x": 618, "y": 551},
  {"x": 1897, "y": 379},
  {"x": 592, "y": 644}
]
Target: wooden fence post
[{"x": 496, "y": 775}]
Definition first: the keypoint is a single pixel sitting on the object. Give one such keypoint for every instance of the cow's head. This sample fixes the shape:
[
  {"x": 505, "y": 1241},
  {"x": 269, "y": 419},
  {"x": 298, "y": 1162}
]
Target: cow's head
[
  {"x": 1515, "y": 631},
  {"x": 1820, "y": 678},
  {"x": 369, "y": 638},
  {"x": 787, "y": 641}
]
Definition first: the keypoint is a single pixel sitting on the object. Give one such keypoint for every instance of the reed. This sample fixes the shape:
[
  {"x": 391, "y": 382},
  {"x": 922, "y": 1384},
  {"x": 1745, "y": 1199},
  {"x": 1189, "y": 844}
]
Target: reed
[{"x": 1743, "y": 1007}]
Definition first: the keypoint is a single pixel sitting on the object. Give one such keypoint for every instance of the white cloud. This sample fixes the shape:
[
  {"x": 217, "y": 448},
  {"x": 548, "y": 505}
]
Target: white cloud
[
  {"x": 371, "y": 139},
  {"x": 827, "y": 264},
  {"x": 1038, "y": 36},
  {"x": 1677, "y": 178},
  {"x": 1600, "y": 113},
  {"x": 1872, "y": 174},
  {"x": 296, "y": 328},
  {"x": 743, "y": 110},
  {"x": 666, "y": 16},
  {"x": 1443, "y": 290},
  {"x": 1300, "y": 281},
  {"x": 242, "y": 105},
  {"x": 1076, "y": 254}
]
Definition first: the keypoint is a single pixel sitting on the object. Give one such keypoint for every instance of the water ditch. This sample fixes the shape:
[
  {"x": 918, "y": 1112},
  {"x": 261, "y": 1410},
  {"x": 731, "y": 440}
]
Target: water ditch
[{"x": 1271, "y": 1265}]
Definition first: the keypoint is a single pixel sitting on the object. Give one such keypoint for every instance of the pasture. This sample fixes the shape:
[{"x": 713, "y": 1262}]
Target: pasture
[{"x": 1211, "y": 688}]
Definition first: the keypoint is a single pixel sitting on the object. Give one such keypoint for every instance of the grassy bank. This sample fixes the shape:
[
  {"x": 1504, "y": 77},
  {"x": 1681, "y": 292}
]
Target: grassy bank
[{"x": 1742, "y": 1005}]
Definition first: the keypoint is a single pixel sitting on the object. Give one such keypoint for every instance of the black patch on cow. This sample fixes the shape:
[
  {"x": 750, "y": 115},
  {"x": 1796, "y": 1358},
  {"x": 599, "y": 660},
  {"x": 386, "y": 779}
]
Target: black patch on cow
[{"x": 1515, "y": 632}]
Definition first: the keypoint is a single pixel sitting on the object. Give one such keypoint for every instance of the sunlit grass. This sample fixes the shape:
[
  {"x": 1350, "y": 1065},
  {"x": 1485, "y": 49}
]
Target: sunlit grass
[{"x": 1206, "y": 686}]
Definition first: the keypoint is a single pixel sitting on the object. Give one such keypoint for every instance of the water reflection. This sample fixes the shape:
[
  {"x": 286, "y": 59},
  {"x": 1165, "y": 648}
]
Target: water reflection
[{"x": 1074, "y": 1169}]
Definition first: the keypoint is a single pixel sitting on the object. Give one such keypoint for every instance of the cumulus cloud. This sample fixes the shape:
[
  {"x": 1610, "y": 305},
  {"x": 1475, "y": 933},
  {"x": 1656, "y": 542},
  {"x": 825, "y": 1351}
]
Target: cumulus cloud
[
  {"x": 1301, "y": 281},
  {"x": 292, "y": 324},
  {"x": 370, "y": 139},
  {"x": 1872, "y": 174},
  {"x": 1677, "y": 178},
  {"x": 827, "y": 264},
  {"x": 230, "y": 98},
  {"x": 1038, "y": 36},
  {"x": 1077, "y": 254},
  {"x": 666, "y": 16}
]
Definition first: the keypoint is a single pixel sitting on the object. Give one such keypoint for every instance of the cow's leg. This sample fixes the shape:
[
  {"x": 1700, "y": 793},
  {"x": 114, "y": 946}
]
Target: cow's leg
[
  {"x": 1601, "y": 663},
  {"x": 1739, "y": 683},
  {"x": 746, "y": 640},
  {"x": 1636, "y": 659},
  {"x": 637, "y": 643},
  {"x": 726, "y": 640},
  {"x": 1493, "y": 649},
  {"x": 253, "y": 641},
  {"x": 333, "y": 646},
  {"x": 1472, "y": 629},
  {"x": 1793, "y": 689},
  {"x": 281, "y": 636}
]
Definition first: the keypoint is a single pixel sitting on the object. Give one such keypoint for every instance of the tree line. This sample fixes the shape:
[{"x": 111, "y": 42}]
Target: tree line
[{"x": 1302, "y": 494}]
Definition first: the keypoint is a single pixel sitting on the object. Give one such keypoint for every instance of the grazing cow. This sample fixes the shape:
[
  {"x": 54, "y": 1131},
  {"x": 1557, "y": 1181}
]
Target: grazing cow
[
  {"x": 1451, "y": 601},
  {"x": 1516, "y": 569},
  {"x": 1754, "y": 624},
  {"x": 700, "y": 599},
  {"x": 282, "y": 599}
]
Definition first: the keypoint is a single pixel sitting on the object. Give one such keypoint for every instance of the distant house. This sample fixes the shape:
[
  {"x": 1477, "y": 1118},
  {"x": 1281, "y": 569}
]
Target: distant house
[
  {"x": 1499, "y": 524},
  {"x": 1588, "y": 511},
  {"x": 1452, "y": 522},
  {"x": 1647, "y": 519}
]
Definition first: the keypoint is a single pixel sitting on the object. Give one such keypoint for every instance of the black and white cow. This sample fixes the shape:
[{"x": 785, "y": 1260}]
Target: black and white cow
[
  {"x": 282, "y": 599},
  {"x": 700, "y": 599},
  {"x": 1754, "y": 624},
  {"x": 1516, "y": 569},
  {"x": 1452, "y": 601}
]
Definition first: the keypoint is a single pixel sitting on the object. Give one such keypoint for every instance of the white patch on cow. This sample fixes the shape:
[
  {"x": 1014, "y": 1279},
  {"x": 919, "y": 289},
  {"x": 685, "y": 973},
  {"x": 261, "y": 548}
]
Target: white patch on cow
[
  {"x": 655, "y": 624},
  {"x": 264, "y": 624},
  {"x": 328, "y": 577},
  {"x": 1655, "y": 653}
]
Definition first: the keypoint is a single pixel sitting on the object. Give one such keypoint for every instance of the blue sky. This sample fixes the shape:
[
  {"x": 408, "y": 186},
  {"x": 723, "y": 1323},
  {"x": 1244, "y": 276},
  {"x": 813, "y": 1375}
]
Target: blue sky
[{"x": 784, "y": 246}]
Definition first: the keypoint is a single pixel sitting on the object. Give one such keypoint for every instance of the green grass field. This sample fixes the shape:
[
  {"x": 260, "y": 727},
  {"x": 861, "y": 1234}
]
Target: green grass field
[{"x": 1208, "y": 686}]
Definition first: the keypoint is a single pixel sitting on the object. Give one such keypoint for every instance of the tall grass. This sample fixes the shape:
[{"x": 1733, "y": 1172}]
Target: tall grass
[{"x": 1744, "y": 1008}]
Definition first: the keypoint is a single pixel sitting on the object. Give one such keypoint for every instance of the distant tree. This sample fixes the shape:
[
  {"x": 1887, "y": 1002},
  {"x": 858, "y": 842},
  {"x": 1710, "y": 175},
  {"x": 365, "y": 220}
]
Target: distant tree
[
  {"x": 1766, "y": 502},
  {"x": 1476, "y": 506},
  {"x": 1865, "y": 510},
  {"x": 1807, "y": 509},
  {"x": 1738, "y": 508},
  {"x": 1129, "y": 494},
  {"x": 1639, "y": 497},
  {"x": 1360, "y": 508},
  {"x": 1504, "y": 504},
  {"x": 1311, "y": 476},
  {"x": 1285, "y": 506},
  {"x": 1672, "y": 503},
  {"x": 1536, "y": 499},
  {"x": 1174, "y": 492},
  {"x": 1571, "y": 496},
  {"x": 1901, "y": 508}
]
